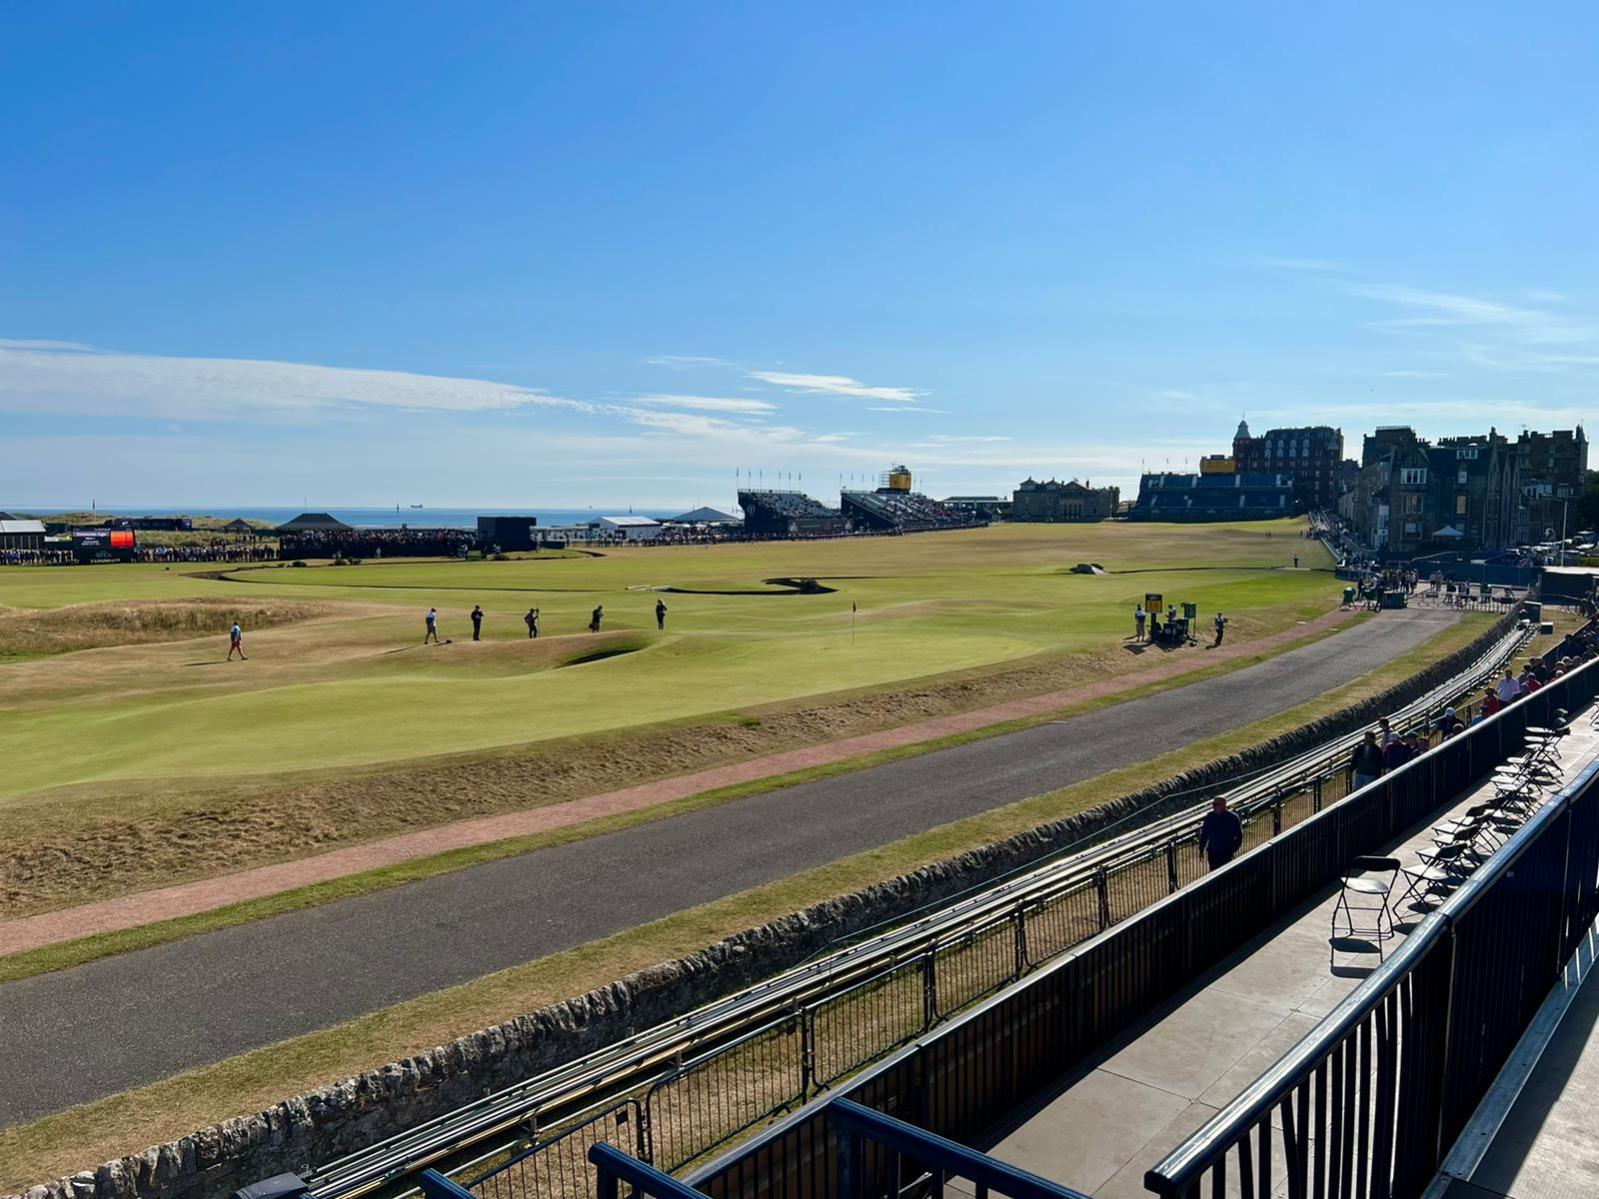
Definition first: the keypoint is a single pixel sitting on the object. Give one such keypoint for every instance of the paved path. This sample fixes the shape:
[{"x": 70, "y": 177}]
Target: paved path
[
  {"x": 80, "y": 1034},
  {"x": 204, "y": 895}
]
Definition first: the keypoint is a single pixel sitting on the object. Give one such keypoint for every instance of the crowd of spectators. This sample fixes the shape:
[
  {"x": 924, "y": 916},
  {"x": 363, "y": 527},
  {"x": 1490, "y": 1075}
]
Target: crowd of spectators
[
  {"x": 51, "y": 557},
  {"x": 904, "y": 512},
  {"x": 218, "y": 550},
  {"x": 376, "y": 543}
]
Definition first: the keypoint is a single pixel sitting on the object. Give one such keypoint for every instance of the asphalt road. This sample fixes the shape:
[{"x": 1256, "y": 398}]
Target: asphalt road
[{"x": 80, "y": 1034}]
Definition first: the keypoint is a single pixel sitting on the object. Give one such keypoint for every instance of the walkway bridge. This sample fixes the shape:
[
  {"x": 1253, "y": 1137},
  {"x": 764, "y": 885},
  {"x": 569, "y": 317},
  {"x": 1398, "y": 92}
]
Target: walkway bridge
[{"x": 1214, "y": 1043}]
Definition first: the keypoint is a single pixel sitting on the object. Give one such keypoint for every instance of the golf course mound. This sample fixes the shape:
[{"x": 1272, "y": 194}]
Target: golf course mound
[{"x": 26, "y": 632}]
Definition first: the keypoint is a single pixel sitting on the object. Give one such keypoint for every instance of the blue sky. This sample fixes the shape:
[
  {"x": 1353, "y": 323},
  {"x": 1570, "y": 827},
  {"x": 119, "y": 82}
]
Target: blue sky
[{"x": 535, "y": 255}]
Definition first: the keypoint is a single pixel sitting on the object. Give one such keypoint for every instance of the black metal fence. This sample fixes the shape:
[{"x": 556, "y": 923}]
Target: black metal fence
[
  {"x": 1368, "y": 1105},
  {"x": 972, "y": 1072},
  {"x": 712, "y": 1099}
]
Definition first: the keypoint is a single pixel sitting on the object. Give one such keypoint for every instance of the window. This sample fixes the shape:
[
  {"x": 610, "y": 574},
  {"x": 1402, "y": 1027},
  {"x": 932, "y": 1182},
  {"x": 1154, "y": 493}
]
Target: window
[
  {"x": 1467, "y": 454},
  {"x": 1413, "y": 476},
  {"x": 1410, "y": 526},
  {"x": 1460, "y": 505},
  {"x": 1460, "y": 479}
]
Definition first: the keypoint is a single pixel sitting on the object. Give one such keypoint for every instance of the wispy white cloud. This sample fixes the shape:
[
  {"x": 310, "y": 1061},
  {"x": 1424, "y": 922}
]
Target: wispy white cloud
[
  {"x": 685, "y": 362},
  {"x": 1303, "y": 264},
  {"x": 25, "y": 343},
  {"x": 699, "y": 425},
  {"x": 1440, "y": 309},
  {"x": 707, "y": 403},
  {"x": 1409, "y": 374},
  {"x": 75, "y": 380},
  {"x": 839, "y": 385}
]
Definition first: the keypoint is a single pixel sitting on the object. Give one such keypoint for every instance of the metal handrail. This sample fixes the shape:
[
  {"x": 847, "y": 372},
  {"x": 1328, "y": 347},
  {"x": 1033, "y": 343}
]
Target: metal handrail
[
  {"x": 656, "y": 1052},
  {"x": 1180, "y": 1169},
  {"x": 614, "y": 1167},
  {"x": 945, "y": 1156}
]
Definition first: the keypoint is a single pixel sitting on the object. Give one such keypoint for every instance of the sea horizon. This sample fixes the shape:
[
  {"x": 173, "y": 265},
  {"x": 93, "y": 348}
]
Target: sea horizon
[{"x": 361, "y": 517}]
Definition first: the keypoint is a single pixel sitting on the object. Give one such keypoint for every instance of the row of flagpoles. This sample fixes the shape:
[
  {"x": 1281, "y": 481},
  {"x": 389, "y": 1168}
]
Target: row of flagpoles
[{"x": 748, "y": 476}]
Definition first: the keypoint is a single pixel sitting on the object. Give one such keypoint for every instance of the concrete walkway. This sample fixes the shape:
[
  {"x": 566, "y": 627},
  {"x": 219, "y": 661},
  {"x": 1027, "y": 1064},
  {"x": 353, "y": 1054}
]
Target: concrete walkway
[{"x": 1182, "y": 1064}]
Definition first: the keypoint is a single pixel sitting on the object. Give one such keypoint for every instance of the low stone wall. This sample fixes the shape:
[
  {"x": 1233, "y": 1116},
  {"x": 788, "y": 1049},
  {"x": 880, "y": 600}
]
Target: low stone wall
[{"x": 356, "y": 1112}]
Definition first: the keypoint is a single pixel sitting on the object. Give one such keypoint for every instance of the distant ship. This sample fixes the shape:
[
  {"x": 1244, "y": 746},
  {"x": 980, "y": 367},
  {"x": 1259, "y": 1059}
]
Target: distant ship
[{"x": 416, "y": 505}]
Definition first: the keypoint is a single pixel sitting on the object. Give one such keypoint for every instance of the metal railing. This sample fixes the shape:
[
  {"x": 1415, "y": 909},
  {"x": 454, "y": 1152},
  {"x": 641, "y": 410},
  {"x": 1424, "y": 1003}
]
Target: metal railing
[
  {"x": 873, "y": 1150},
  {"x": 691, "y": 1086},
  {"x": 1368, "y": 1104},
  {"x": 973, "y": 1073}
]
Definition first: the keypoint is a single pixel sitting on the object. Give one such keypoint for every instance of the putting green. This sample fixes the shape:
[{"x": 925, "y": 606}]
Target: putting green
[{"x": 358, "y": 687}]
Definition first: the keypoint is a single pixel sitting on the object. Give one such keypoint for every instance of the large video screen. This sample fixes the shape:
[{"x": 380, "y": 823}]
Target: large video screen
[{"x": 103, "y": 543}]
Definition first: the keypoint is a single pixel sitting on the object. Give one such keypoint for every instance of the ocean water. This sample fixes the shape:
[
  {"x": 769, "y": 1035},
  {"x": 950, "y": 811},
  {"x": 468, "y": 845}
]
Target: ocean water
[{"x": 371, "y": 518}]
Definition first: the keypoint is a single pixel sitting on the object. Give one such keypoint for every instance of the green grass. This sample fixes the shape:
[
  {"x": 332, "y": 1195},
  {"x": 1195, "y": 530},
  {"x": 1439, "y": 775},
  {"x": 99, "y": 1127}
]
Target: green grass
[{"x": 361, "y": 689}]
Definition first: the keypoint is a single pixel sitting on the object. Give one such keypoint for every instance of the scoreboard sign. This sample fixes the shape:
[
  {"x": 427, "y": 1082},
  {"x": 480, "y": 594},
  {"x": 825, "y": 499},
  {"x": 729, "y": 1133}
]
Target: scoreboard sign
[
  {"x": 1154, "y": 601},
  {"x": 103, "y": 545}
]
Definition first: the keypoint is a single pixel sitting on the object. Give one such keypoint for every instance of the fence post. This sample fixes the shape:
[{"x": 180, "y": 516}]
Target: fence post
[
  {"x": 849, "y": 1164},
  {"x": 1277, "y": 814},
  {"x": 807, "y": 1022},
  {"x": 1102, "y": 885},
  {"x": 1020, "y": 919},
  {"x": 1171, "y": 864},
  {"x": 930, "y": 987},
  {"x": 1440, "y": 1146},
  {"x": 1315, "y": 794},
  {"x": 644, "y": 1135}
]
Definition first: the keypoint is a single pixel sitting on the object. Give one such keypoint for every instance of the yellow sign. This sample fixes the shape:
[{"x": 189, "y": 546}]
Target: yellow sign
[{"x": 1153, "y": 601}]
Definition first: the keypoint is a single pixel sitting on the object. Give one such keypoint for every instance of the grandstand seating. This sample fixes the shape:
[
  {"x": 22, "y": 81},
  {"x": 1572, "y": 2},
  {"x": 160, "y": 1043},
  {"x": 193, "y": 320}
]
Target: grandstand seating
[
  {"x": 789, "y": 514},
  {"x": 903, "y": 512},
  {"x": 1169, "y": 496}
]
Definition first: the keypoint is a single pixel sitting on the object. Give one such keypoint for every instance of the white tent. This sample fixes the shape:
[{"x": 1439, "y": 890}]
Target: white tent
[{"x": 633, "y": 528}]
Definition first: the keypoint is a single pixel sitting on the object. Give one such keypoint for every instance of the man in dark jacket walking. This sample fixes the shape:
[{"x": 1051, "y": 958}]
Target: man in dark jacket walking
[
  {"x": 1221, "y": 834},
  {"x": 477, "y": 622},
  {"x": 1366, "y": 762}
]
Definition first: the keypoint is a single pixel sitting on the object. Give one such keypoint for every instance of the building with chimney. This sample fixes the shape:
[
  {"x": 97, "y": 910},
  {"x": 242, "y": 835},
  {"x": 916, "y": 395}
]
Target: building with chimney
[
  {"x": 1554, "y": 468},
  {"x": 1312, "y": 454},
  {"x": 1053, "y": 501}
]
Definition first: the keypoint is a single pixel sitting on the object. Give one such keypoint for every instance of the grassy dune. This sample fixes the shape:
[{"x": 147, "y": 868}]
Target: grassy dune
[{"x": 30, "y": 632}]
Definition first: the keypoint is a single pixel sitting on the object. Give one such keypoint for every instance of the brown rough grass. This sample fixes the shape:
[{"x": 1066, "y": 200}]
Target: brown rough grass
[{"x": 32, "y": 631}]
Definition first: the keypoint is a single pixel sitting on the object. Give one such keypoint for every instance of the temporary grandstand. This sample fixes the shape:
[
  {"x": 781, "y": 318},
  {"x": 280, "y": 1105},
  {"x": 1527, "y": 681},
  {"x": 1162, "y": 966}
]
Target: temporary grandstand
[
  {"x": 890, "y": 510},
  {"x": 1168, "y": 496},
  {"x": 789, "y": 514}
]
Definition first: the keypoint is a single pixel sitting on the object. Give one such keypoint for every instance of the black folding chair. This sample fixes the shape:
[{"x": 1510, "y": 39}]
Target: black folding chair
[
  {"x": 1446, "y": 871},
  {"x": 1366, "y": 878}
]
